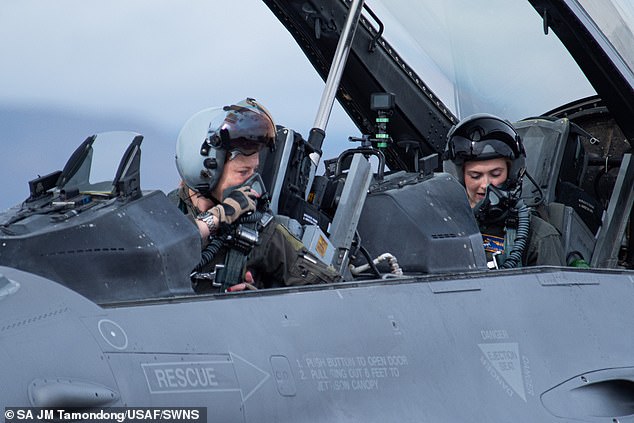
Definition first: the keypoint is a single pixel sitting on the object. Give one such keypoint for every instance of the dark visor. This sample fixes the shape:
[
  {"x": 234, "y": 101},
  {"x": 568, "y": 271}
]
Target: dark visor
[
  {"x": 243, "y": 150},
  {"x": 246, "y": 128},
  {"x": 483, "y": 149}
]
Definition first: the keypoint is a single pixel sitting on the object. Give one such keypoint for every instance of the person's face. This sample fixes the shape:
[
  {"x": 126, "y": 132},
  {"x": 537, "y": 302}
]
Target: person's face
[
  {"x": 479, "y": 174},
  {"x": 236, "y": 172}
]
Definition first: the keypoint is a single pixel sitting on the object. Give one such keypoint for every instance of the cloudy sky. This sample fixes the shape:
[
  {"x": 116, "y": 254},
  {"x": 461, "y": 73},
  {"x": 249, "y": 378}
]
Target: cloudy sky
[{"x": 71, "y": 68}]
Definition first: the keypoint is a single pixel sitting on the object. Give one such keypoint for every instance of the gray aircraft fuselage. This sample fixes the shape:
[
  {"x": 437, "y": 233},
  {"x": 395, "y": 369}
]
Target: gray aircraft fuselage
[{"x": 525, "y": 345}]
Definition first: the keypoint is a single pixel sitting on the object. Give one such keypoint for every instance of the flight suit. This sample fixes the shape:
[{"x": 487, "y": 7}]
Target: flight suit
[
  {"x": 278, "y": 259},
  {"x": 543, "y": 246}
]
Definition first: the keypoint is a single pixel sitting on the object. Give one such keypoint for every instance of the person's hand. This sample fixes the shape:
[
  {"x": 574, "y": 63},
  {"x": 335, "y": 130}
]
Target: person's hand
[
  {"x": 237, "y": 203},
  {"x": 248, "y": 283}
]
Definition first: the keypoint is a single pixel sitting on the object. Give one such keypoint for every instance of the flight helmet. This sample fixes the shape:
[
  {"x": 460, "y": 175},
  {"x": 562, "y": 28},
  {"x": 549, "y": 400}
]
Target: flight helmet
[
  {"x": 216, "y": 135},
  {"x": 483, "y": 137}
]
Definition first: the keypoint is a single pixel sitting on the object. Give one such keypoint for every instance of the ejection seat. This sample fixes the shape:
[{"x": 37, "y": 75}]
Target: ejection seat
[{"x": 559, "y": 163}]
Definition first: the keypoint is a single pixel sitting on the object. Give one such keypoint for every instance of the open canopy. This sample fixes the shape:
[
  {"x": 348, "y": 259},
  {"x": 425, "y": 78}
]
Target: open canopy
[{"x": 447, "y": 60}]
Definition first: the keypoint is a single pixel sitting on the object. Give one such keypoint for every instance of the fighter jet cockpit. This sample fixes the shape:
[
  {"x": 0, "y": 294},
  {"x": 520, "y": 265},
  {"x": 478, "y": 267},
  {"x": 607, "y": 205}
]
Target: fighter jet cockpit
[
  {"x": 382, "y": 207},
  {"x": 91, "y": 226},
  {"x": 564, "y": 92},
  {"x": 100, "y": 310},
  {"x": 408, "y": 222}
]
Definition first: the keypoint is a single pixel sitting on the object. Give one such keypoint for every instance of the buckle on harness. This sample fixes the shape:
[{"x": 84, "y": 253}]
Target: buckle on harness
[
  {"x": 243, "y": 238},
  {"x": 208, "y": 276}
]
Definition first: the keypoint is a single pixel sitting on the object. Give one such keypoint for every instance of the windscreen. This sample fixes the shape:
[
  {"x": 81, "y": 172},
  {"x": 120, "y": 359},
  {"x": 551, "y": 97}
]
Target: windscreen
[{"x": 615, "y": 19}]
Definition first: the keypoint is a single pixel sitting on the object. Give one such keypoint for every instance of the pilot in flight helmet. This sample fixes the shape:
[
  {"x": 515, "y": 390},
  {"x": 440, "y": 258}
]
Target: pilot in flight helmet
[
  {"x": 214, "y": 136},
  {"x": 483, "y": 137}
]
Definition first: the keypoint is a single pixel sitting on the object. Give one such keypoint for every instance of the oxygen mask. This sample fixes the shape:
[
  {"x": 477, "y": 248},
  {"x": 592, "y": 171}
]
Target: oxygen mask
[
  {"x": 495, "y": 205},
  {"x": 256, "y": 184}
]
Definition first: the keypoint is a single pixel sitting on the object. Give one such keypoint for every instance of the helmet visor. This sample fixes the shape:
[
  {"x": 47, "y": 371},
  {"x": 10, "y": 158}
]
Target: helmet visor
[
  {"x": 484, "y": 149},
  {"x": 237, "y": 151},
  {"x": 247, "y": 129}
]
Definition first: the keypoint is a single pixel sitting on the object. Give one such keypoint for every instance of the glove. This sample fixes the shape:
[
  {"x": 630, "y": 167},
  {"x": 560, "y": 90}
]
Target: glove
[{"x": 237, "y": 203}]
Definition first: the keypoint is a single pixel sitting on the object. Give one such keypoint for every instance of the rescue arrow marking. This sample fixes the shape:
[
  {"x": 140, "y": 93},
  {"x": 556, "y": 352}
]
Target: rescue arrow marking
[
  {"x": 229, "y": 374},
  {"x": 245, "y": 375}
]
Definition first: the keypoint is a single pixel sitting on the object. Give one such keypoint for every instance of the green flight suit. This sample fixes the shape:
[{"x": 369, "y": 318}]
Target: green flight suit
[{"x": 543, "y": 246}]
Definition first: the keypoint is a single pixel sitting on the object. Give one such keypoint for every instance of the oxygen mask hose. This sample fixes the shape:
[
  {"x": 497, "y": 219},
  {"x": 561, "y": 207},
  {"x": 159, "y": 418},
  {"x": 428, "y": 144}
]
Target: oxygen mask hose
[
  {"x": 210, "y": 251},
  {"x": 496, "y": 207},
  {"x": 514, "y": 258},
  {"x": 220, "y": 240}
]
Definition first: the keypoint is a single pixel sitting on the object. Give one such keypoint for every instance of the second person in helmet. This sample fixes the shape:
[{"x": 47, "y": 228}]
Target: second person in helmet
[
  {"x": 487, "y": 156},
  {"x": 218, "y": 156}
]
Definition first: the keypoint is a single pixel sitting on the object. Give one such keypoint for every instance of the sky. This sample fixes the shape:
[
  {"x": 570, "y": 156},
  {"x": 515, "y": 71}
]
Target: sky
[{"x": 72, "y": 68}]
